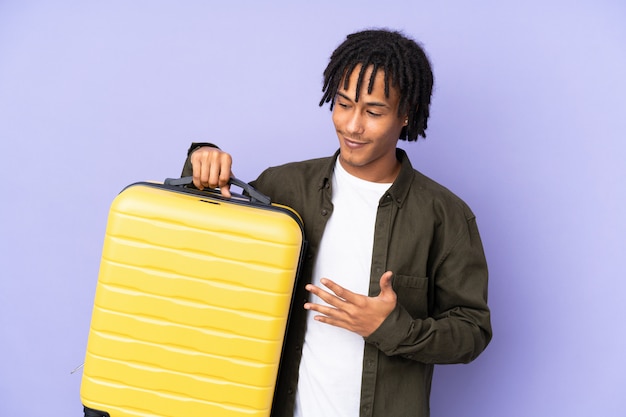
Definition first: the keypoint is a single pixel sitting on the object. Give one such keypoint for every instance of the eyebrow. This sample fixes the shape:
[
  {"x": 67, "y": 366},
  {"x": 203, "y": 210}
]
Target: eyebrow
[{"x": 368, "y": 103}]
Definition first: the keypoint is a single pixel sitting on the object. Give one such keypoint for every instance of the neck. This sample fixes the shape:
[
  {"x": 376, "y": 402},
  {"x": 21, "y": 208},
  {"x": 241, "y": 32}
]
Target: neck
[{"x": 382, "y": 172}]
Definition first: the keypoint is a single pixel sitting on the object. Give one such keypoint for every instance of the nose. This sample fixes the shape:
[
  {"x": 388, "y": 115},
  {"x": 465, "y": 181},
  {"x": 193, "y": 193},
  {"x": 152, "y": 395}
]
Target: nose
[{"x": 355, "y": 124}]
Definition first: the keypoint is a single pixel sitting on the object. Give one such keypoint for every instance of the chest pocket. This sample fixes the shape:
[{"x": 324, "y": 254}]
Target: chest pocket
[{"x": 412, "y": 294}]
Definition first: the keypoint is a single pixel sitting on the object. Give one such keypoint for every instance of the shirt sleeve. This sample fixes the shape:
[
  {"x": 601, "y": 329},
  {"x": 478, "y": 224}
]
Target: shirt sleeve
[{"x": 459, "y": 328}]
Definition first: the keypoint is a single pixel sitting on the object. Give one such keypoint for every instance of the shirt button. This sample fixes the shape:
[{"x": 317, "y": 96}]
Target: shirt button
[
  {"x": 289, "y": 391},
  {"x": 324, "y": 212}
]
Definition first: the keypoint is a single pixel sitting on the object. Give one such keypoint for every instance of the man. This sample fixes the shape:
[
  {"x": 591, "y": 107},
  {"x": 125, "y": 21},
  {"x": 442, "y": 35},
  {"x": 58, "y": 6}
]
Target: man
[{"x": 395, "y": 278}]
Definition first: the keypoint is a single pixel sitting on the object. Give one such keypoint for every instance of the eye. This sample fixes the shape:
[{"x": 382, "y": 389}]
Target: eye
[{"x": 373, "y": 114}]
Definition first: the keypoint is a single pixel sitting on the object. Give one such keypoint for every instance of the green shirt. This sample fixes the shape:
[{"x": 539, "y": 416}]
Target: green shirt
[{"x": 428, "y": 237}]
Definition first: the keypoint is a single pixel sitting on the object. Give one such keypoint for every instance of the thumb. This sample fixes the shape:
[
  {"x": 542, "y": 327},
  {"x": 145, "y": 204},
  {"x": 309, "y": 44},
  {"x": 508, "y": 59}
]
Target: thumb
[
  {"x": 385, "y": 283},
  {"x": 225, "y": 190},
  {"x": 225, "y": 185}
]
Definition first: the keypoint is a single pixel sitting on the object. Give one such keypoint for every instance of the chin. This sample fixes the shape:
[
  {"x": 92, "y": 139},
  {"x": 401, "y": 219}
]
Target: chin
[{"x": 349, "y": 159}]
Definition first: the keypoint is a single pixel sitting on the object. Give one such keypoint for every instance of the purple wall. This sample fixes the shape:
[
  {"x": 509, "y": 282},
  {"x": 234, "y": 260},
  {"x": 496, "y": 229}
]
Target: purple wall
[{"x": 527, "y": 126}]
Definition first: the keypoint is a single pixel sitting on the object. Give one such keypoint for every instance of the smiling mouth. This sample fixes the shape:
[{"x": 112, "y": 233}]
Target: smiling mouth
[{"x": 351, "y": 142}]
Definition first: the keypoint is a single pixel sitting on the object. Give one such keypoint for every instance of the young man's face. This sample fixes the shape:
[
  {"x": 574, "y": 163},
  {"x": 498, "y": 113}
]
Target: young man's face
[{"x": 368, "y": 130}]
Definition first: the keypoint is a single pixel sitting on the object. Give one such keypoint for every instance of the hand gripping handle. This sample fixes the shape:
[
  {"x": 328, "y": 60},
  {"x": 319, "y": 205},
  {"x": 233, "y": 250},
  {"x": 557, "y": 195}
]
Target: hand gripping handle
[{"x": 255, "y": 195}]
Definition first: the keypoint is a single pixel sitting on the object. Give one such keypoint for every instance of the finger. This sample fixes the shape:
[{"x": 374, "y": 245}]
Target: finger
[
  {"x": 320, "y": 308},
  {"x": 339, "y": 291},
  {"x": 332, "y": 321},
  {"x": 225, "y": 174},
  {"x": 200, "y": 175},
  {"x": 196, "y": 172},
  {"x": 329, "y": 315},
  {"x": 219, "y": 172},
  {"x": 214, "y": 165},
  {"x": 329, "y": 298},
  {"x": 200, "y": 161}
]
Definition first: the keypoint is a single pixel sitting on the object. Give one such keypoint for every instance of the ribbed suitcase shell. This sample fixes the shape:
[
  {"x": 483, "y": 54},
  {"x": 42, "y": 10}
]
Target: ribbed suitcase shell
[{"x": 191, "y": 305}]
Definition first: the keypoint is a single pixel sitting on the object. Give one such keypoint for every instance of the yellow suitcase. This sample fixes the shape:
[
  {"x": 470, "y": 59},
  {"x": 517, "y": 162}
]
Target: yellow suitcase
[{"x": 191, "y": 305}]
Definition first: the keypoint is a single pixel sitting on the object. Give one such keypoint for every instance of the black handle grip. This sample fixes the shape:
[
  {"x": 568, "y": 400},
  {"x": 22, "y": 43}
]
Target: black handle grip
[{"x": 255, "y": 195}]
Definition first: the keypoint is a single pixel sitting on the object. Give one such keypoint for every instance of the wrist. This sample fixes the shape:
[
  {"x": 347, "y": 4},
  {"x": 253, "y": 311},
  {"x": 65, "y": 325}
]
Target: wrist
[{"x": 196, "y": 145}]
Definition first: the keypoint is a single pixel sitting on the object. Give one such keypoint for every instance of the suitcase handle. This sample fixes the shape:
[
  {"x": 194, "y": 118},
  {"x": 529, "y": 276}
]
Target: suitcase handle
[{"x": 255, "y": 195}]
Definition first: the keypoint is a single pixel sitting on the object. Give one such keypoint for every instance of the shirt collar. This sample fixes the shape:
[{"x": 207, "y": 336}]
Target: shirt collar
[
  {"x": 398, "y": 190},
  {"x": 400, "y": 187}
]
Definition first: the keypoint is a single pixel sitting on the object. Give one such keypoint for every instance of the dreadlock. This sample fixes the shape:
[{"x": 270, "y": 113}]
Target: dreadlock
[{"x": 405, "y": 65}]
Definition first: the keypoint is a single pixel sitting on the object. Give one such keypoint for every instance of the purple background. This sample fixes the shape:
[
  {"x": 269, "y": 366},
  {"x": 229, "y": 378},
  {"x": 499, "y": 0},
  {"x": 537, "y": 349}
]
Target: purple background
[{"x": 528, "y": 125}]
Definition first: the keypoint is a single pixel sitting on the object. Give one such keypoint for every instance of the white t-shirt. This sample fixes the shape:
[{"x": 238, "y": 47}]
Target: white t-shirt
[{"x": 332, "y": 357}]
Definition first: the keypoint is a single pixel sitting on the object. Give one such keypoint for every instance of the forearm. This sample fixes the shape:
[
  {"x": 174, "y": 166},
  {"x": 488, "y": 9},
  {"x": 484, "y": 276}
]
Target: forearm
[
  {"x": 458, "y": 336},
  {"x": 457, "y": 327}
]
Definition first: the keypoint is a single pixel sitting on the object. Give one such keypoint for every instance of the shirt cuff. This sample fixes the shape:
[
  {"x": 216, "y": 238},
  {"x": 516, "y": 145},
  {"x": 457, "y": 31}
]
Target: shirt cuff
[{"x": 393, "y": 331}]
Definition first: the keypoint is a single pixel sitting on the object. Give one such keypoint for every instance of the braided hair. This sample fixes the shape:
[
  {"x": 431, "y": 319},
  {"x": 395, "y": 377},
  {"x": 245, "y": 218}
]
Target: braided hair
[{"x": 405, "y": 65}]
